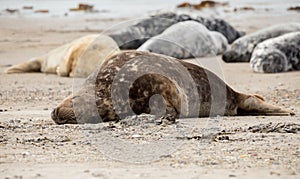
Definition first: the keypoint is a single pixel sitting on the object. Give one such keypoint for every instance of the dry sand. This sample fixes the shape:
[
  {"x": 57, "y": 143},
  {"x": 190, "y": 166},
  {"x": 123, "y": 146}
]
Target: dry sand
[{"x": 32, "y": 146}]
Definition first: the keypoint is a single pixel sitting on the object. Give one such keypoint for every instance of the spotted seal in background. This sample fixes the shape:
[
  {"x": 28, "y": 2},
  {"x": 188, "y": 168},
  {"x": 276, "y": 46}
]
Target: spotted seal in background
[
  {"x": 277, "y": 54},
  {"x": 242, "y": 48},
  {"x": 78, "y": 58},
  {"x": 216, "y": 24},
  {"x": 96, "y": 101},
  {"x": 135, "y": 35},
  {"x": 187, "y": 39}
]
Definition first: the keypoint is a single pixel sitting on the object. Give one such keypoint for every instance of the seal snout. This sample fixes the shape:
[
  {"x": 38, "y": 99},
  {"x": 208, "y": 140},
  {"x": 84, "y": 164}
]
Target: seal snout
[
  {"x": 229, "y": 56},
  {"x": 63, "y": 116},
  {"x": 232, "y": 56},
  {"x": 56, "y": 118},
  {"x": 64, "y": 113},
  {"x": 54, "y": 114}
]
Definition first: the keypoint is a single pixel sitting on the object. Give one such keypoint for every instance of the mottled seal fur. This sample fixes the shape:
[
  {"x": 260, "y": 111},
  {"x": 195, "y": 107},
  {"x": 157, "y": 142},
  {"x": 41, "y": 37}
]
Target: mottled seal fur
[
  {"x": 135, "y": 35},
  {"x": 241, "y": 49},
  {"x": 137, "y": 82},
  {"x": 187, "y": 39},
  {"x": 278, "y": 54},
  {"x": 216, "y": 24},
  {"x": 75, "y": 59}
]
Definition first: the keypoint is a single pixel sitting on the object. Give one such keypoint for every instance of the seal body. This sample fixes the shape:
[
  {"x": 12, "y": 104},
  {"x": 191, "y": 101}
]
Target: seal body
[
  {"x": 278, "y": 54},
  {"x": 135, "y": 35},
  {"x": 242, "y": 48},
  {"x": 219, "y": 25},
  {"x": 187, "y": 39},
  {"x": 137, "y": 82},
  {"x": 75, "y": 59}
]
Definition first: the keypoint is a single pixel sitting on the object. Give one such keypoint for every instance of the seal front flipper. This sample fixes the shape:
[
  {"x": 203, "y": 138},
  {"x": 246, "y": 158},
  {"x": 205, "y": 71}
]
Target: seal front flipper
[
  {"x": 255, "y": 105},
  {"x": 33, "y": 65}
]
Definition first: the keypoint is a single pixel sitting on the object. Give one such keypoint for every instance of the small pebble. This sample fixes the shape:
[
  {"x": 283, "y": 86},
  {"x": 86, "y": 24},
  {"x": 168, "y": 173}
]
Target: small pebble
[
  {"x": 166, "y": 156},
  {"x": 254, "y": 155},
  {"x": 25, "y": 153},
  {"x": 280, "y": 84},
  {"x": 291, "y": 172},
  {"x": 136, "y": 136},
  {"x": 274, "y": 173},
  {"x": 285, "y": 100},
  {"x": 86, "y": 143},
  {"x": 243, "y": 156},
  {"x": 97, "y": 175}
]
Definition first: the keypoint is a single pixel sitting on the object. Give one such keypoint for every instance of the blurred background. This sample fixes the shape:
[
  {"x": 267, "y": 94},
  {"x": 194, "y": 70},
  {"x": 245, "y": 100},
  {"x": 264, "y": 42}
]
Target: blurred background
[{"x": 134, "y": 8}]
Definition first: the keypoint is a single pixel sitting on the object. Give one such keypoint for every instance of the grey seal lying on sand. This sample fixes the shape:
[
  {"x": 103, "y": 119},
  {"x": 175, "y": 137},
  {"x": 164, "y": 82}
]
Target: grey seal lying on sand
[
  {"x": 186, "y": 39},
  {"x": 135, "y": 35},
  {"x": 278, "y": 54},
  {"x": 78, "y": 58},
  {"x": 242, "y": 48},
  {"x": 122, "y": 87}
]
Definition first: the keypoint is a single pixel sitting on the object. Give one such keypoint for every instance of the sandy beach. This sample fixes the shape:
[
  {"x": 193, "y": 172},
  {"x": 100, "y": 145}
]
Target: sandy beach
[{"x": 33, "y": 146}]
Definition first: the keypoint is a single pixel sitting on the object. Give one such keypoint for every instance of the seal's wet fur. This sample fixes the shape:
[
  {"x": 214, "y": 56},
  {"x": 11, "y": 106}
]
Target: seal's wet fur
[{"x": 99, "y": 87}]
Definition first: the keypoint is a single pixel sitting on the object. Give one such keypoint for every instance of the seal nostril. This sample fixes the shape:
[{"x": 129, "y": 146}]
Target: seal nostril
[{"x": 54, "y": 114}]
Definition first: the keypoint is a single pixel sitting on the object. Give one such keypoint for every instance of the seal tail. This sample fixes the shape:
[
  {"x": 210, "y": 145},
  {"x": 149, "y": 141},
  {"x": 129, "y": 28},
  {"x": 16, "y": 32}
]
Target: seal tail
[
  {"x": 33, "y": 65},
  {"x": 256, "y": 105}
]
